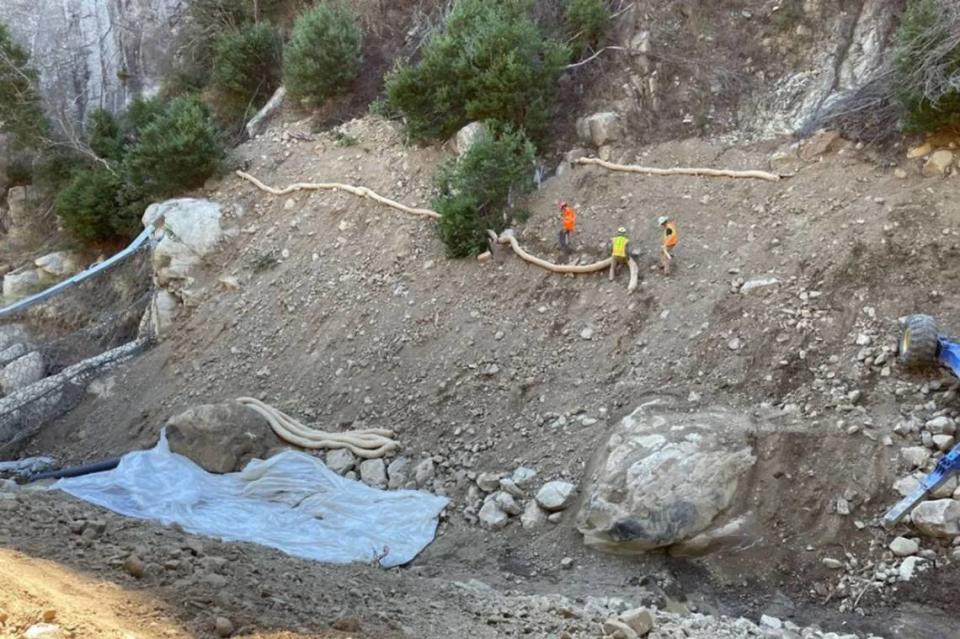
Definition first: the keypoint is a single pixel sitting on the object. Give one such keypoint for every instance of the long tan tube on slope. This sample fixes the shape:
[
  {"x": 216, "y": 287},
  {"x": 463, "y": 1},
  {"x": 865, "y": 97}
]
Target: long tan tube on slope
[
  {"x": 630, "y": 168},
  {"x": 367, "y": 444},
  {"x": 359, "y": 191},
  {"x": 506, "y": 238}
]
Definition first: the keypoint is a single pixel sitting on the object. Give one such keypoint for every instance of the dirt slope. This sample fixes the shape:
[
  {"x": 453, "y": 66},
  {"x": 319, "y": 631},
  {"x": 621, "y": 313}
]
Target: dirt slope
[{"x": 349, "y": 314}]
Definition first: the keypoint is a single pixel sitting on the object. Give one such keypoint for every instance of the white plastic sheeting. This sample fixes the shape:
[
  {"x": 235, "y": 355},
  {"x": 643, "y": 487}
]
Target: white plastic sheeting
[{"x": 291, "y": 502}]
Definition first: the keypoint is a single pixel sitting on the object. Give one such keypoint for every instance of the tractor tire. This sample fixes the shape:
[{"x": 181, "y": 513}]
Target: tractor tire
[{"x": 919, "y": 341}]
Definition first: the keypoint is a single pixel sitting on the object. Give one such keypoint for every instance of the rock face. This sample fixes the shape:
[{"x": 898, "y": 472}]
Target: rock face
[
  {"x": 94, "y": 54},
  {"x": 191, "y": 230},
  {"x": 665, "y": 478},
  {"x": 220, "y": 438},
  {"x": 599, "y": 129}
]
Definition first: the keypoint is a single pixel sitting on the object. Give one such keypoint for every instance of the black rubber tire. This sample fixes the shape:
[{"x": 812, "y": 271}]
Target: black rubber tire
[{"x": 919, "y": 341}]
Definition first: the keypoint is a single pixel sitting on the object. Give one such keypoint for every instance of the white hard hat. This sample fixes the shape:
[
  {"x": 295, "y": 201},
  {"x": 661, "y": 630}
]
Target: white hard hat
[
  {"x": 663, "y": 219},
  {"x": 622, "y": 230}
]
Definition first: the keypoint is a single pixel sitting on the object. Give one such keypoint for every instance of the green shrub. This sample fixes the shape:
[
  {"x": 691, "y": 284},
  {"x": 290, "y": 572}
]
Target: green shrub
[
  {"x": 176, "y": 151},
  {"x": 322, "y": 57},
  {"x": 89, "y": 206},
  {"x": 247, "y": 69},
  {"x": 20, "y": 113},
  {"x": 106, "y": 136},
  {"x": 586, "y": 24},
  {"x": 477, "y": 191},
  {"x": 489, "y": 61},
  {"x": 927, "y": 63}
]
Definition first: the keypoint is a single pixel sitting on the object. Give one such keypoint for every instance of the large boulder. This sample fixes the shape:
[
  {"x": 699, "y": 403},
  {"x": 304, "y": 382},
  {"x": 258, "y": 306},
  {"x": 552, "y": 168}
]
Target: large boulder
[
  {"x": 22, "y": 372},
  {"x": 20, "y": 283},
  {"x": 599, "y": 129},
  {"x": 221, "y": 438},
  {"x": 937, "y": 518},
  {"x": 668, "y": 478},
  {"x": 191, "y": 230}
]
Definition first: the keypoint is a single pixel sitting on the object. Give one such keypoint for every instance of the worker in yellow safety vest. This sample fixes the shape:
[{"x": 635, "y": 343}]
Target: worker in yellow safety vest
[
  {"x": 669, "y": 241},
  {"x": 619, "y": 247}
]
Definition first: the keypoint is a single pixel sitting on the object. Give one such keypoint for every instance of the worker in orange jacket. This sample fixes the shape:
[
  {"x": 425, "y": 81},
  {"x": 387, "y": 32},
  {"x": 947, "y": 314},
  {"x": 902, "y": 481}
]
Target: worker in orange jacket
[
  {"x": 668, "y": 242},
  {"x": 568, "y": 218}
]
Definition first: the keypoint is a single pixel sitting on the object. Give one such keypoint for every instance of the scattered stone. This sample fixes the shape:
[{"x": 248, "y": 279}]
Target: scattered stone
[
  {"x": 489, "y": 482},
  {"x": 373, "y": 472},
  {"x": 485, "y": 257},
  {"x": 507, "y": 503},
  {"x": 587, "y": 333},
  {"x": 818, "y": 144},
  {"x": 533, "y": 516},
  {"x": 616, "y": 629},
  {"x": 230, "y": 283},
  {"x": 938, "y": 163},
  {"x": 639, "y": 620},
  {"x": 863, "y": 340},
  {"x": 734, "y": 344},
  {"x": 915, "y": 456},
  {"x": 44, "y": 631},
  {"x": 223, "y": 627},
  {"x": 48, "y": 615},
  {"x": 59, "y": 264},
  {"x": 770, "y": 622},
  {"x": 508, "y": 485},
  {"x": 523, "y": 477},
  {"x": 900, "y": 174},
  {"x": 424, "y": 472},
  {"x": 340, "y": 460},
  {"x": 556, "y": 495},
  {"x": 831, "y": 563},
  {"x": 397, "y": 472},
  {"x": 468, "y": 136},
  {"x": 903, "y": 547},
  {"x": 134, "y": 567},
  {"x": 492, "y": 515},
  {"x": 566, "y": 563},
  {"x": 941, "y": 425},
  {"x": 908, "y": 567},
  {"x": 937, "y": 518},
  {"x": 21, "y": 283},
  {"x": 943, "y": 442},
  {"x": 759, "y": 282}
]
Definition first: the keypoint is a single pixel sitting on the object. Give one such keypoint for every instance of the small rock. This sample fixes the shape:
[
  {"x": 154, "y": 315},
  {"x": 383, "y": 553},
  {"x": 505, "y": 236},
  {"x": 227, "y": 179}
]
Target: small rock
[
  {"x": 533, "y": 516},
  {"x": 915, "y": 456},
  {"x": 944, "y": 442},
  {"x": 758, "y": 282},
  {"x": 397, "y": 473},
  {"x": 508, "y": 485},
  {"x": 900, "y": 174},
  {"x": 941, "y": 425},
  {"x": 215, "y": 581},
  {"x": 587, "y": 333},
  {"x": 373, "y": 472},
  {"x": 566, "y": 563},
  {"x": 771, "y": 622},
  {"x": 223, "y": 627},
  {"x": 424, "y": 472},
  {"x": 843, "y": 506},
  {"x": 134, "y": 566},
  {"x": 44, "y": 631},
  {"x": 489, "y": 482},
  {"x": 937, "y": 518},
  {"x": 908, "y": 567},
  {"x": 492, "y": 515},
  {"x": 485, "y": 257},
  {"x": 863, "y": 340},
  {"x": 734, "y": 344},
  {"x": 919, "y": 151},
  {"x": 523, "y": 477},
  {"x": 340, "y": 460},
  {"x": 556, "y": 495},
  {"x": 938, "y": 163},
  {"x": 507, "y": 503},
  {"x": 48, "y": 615},
  {"x": 616, "y": 629},
  {"x": 831, "y": 563},
  {"x": 903, "y": 547},
  {"x": 639, "y": 620}
]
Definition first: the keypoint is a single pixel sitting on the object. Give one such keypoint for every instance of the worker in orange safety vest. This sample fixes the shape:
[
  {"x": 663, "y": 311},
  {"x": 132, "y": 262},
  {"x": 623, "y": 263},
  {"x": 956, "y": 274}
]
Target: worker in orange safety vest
[
  {"x": 669, "y": 241},
  {"x": 568, "y": 218}
]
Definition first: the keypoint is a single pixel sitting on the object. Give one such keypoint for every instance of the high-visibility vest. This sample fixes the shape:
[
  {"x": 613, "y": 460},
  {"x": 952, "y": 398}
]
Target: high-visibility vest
[
  {"x": 569, "y": 219},
  {"x": 670, "y": 235},
  {"x": 620, "y": 246}
]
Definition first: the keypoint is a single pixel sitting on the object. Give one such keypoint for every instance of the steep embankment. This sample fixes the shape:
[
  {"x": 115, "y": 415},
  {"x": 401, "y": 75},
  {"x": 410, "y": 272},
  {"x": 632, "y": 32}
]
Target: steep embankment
[{"x": 348, "y": 314}]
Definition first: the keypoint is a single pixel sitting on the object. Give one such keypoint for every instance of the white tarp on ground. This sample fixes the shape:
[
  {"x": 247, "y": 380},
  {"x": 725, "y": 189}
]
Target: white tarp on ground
[{"x": 291, "y": 502}]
